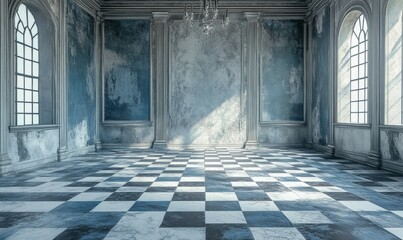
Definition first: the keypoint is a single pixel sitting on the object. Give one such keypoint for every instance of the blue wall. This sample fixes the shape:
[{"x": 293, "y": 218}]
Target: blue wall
[
  {"x": 81, "y": 77},
  {"x": 320, "y": 77},
  {"x": 282, "y": 86},
  {"x": 127, "y": 70}
]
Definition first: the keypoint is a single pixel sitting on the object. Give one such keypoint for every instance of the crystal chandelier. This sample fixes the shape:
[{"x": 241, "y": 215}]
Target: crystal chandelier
[{"x": 208, "y": 16}]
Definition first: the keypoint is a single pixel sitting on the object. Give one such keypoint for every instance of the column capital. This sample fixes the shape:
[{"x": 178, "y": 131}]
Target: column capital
[
  {"x": 252, "y": 16},
  {"x": 160, "y": 17}
]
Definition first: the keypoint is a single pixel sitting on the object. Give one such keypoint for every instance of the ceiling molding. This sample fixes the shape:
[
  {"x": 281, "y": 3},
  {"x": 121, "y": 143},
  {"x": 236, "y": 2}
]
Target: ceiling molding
[
  {"x": 127, "y": 8},
  {"x": 314, "y": 6},
  {"x": 90, "y": 6}
]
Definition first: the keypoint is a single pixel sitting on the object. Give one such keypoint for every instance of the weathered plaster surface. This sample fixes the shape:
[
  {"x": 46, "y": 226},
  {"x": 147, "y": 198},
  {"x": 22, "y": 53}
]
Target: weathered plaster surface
[
  {"x": 207, "y": 98},
  {"x": 353, "y": 139},
  {"x": 279, "y": 135},
  {"x": 25, "y": 146},
  {"x": 127, "y": 70},
  {"x": 128, "y": 135},
  {"x": 392, "y": 145},
  {"x": 282, "y": 86},
  {"x": 320, "y": 77},
  {"x": 81, "y": 77}
]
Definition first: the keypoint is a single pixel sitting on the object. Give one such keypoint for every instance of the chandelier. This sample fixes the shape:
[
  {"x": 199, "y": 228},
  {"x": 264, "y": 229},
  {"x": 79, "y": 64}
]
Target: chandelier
[{"x": 208, "y": 16}]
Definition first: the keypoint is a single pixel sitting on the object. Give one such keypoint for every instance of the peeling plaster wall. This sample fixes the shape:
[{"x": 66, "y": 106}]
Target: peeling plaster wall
[
  {"x": 31, "y": 146},
  {"x": 127, "y": 70},
  {"x": 207, "y": 97},
  {"x": 127, "y": 86},
  {"x": 320, "y": 77},
  {"x": 351, "y": 139},
  {"x": 282, "y": 83},
  {"x": 81, "y": 77},
  {"x": 392, "y": 145}
]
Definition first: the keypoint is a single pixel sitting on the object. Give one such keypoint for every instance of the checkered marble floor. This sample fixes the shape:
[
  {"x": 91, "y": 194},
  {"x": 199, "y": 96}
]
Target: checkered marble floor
[{"x": 202, "y": 194}]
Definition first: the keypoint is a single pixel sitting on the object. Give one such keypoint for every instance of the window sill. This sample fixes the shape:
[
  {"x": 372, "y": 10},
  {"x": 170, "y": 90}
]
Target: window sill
[
  {"x": 283, "y": 124},
  {"x": 352, "y": 125},
  {"x": 391, "y": 127},
  {"x": 33, "y": 128}
]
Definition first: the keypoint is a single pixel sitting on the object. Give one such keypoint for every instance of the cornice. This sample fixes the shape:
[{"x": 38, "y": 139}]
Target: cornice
[
  {"x": 90, "y": 6},
  {"x": 127, "y": 8},
  {"x": 314, "y": 6}
]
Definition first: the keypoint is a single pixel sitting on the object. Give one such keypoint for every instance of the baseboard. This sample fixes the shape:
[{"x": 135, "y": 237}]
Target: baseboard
[
  {"x": 205, "y": 146},
  {"x": 356, "y": 157},
  {"x": 111, "y": 146},
  {"x": 282, "y": 145},
  {"x": 80, "y": 151},
  {"x": 329, "y": 150},
  {"x": 392, "y": 166},
  {"x": 33, "y": 164}
]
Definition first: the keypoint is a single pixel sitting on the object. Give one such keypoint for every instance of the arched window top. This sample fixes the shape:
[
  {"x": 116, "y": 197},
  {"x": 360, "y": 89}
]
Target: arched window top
[
  {"x": 352, "y": 90},
  {"x": 26, "y": 27}
]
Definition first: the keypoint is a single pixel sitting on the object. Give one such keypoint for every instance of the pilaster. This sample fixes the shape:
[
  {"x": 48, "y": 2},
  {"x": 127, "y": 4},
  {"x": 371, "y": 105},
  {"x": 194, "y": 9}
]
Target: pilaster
[
  {"x": 374, "y": 85},
  {"x": 62, "y": 65},
  {"x": 161, "y": 78},
  {"x": 98, "y": 77},
  {"x": 5, "y": 161},
  {"x": 332, "y": 80},
  {"x": 252, "y": 68}
]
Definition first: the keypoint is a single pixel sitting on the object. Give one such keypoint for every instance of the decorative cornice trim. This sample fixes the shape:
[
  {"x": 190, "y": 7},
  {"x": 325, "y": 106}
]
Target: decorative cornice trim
[
  {"x": 90, "y": 6},
  {"x": 315, "y": 6},
  {"x": 125, "y": 9}
]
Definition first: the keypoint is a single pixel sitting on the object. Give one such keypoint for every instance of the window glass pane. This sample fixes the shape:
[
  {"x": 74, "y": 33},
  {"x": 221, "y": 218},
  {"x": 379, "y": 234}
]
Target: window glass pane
[
  {"x": 354, "y": 117},
  {"x": 28, "y": 107},
  {"x": 35, "y": 98},
  {"x": 20, "y": 95},
  {"x": 20, "y": 108},
  {"x": 27, "y": 38},
  {"x": 354, "y": 73},
  {"x": 28, "y": 119},
  {"x": 20, "y": 50},
  {"x": 35, "y": 108},
  {"x": 20, "y": 82},
  {"x": 35, "y": 42},
  {"x": 20, "y": 65},
  {"x": 31, "y": 20},
  {"x": 35, "y": 84},
  {"x": 20, "y": 37},
  {"x": 354, "y": 85},
  {"x": 34, "y": 30},
  {"x": 35, "y": 69},
  {"x": 354, "y": 60},
  {"x": 35, "y": 55},
  {"x": 35, "y": 119},
  {"x": 28, "y": 67},
  {"x": 28, "y": 83},
  {"x": 20, "y": 119},
  {"x": 354, "y": 95},
  {"x": 28, "y": 52},
  {"x": 28, "y": 96},
  {"x": 22, "y": 13}
]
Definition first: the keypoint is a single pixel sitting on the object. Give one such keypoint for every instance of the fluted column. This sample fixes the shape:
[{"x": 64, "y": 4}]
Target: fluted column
[
  {"x": 161, "y": 78},
  {"x": 252, "y": 69},
  {"x": 98, "y": 77},
  {"x": 62, "y": 68},
  {"x": 5, "y": 161}
]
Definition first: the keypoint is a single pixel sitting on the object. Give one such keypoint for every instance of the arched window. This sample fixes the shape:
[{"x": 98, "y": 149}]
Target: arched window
[
  {"x": 359, "y": 72},
  {"x": 352, "y": 85},
  {"x": 394, "y": 61},
  {"x": 27, "y": 68}
]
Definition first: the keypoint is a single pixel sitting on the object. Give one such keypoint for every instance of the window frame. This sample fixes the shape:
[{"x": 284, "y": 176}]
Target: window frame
[
  {"x": 44, "y": 9},
  {"x": 360, "y": 79},
  {"x": 24, "y": 74}
]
